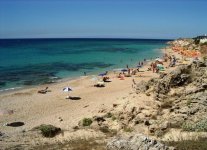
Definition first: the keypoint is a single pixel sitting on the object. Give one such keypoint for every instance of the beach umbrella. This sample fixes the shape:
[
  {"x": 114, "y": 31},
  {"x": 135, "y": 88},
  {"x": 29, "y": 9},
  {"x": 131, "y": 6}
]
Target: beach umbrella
[
  {"x": 159, "y": 65},
  {"x": 102, "y": 74},
  {"x": 118, "y": 69},
  {"x": 67, "y": 89},
  {"x": 160, "y": 60}
]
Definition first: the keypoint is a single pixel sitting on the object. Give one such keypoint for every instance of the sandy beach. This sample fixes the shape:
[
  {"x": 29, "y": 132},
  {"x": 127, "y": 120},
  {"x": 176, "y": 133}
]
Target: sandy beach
[{"x": 35, "y": 109}]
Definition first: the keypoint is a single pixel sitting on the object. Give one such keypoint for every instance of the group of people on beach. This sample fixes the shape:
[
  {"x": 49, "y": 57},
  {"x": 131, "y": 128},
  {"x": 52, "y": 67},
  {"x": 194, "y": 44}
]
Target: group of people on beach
[
  {"x": 157, "y": 65},
  {"x": 131, "y": 71},
  {"x": 128, "y": 72}
]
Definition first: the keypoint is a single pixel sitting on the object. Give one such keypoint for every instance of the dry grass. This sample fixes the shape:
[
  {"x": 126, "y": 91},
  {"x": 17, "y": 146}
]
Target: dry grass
[
  {"x": 166, "y": 104},
  {"x": 78, "y": 144},
  {"x": 199, "y": 144}
]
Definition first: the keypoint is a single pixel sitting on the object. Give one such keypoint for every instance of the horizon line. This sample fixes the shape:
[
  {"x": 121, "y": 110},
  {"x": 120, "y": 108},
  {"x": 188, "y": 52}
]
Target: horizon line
[{"x": 121, "y": 38}]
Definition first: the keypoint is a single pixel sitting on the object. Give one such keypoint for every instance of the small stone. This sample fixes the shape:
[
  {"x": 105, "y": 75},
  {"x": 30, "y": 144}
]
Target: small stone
[
  {"x": 115, "y": 105},
  {"x": 60, "y": 119},
  {"x": 75, "y": 127}
]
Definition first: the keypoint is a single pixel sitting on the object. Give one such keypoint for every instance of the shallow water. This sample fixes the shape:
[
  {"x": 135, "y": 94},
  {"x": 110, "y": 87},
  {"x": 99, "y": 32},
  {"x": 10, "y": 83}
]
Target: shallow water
[{"x": 26, "y": 62}]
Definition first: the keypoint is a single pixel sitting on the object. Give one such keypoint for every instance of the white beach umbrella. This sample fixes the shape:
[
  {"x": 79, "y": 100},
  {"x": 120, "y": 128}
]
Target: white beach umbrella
[
  {"x": 159, "y": 59},
  {"x": 118, "y": 69},
  {"x": 67, "y": 89}
]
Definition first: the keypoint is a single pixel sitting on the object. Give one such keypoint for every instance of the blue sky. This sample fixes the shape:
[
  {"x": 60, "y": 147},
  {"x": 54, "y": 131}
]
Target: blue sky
[{"x": 102, "y": 18}]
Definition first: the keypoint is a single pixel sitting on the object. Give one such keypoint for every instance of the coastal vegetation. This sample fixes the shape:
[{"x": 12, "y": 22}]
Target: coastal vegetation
[
  {"x": 200, "y": 126},
  {"x": 195, "y": 144},
  {"x": 86, "y": 122},
  {"x": 48, "y": 130}
]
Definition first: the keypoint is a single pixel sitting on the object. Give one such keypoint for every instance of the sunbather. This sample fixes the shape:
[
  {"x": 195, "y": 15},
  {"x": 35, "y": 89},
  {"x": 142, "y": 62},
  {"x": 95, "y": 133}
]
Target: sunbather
[
  {"x": 100, "y": 84},
  {"x": 105, "y": 79},
  {"x": 43, "y": 91}
]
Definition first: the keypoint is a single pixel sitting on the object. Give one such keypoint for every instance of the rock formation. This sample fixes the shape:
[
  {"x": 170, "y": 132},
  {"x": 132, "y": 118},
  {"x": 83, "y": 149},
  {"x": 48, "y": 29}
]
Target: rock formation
[{"x": 136, "y": 142}]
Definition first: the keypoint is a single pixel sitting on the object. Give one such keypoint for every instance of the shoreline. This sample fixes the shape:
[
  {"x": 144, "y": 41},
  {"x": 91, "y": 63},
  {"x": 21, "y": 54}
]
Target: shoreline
[{"x": 68, "y": 79}]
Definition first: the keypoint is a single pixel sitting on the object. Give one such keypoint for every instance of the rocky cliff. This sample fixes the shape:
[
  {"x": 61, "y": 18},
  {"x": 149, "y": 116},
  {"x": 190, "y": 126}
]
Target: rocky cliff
[{"x": 177, "y": 100}]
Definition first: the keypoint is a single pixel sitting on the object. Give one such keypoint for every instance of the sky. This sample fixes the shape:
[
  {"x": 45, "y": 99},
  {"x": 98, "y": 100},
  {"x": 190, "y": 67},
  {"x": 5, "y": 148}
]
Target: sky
[{"x": 162, "y": 19}]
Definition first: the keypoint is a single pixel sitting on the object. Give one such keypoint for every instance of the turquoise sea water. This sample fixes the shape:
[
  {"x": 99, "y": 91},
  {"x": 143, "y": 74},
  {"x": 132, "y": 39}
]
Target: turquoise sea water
[{"x": 26, "y": 62}]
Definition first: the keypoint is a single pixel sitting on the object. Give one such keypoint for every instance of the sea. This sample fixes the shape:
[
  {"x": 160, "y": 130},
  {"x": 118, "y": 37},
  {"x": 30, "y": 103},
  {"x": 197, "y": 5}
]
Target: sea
[{"x": 30, "y": 62}]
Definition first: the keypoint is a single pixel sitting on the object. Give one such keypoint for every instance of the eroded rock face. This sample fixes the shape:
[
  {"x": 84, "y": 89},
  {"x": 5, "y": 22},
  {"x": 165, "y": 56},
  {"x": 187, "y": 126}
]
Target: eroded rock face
[
  {"x": 181, "y": 96},
  {"x": 136, "y": 142},
  {"x": 142, "y": 87},
  {"x": 178, "y": 77}
]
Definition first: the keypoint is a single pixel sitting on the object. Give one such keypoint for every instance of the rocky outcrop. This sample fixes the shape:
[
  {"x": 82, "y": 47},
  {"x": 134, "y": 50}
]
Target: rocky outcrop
[
  {"x": 142, "y": 87},
  {"x": 157, "y": 106},
  {"x": 179, "y": 96},
  {"x": 136, "y": 142}
]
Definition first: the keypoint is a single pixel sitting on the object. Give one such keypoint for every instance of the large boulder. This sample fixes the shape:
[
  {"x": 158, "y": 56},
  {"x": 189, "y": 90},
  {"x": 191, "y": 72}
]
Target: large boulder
[{"x": 136, "y": 142}]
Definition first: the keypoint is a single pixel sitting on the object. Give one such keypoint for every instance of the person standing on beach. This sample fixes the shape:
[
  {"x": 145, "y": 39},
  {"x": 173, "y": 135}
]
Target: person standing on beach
[
  {"x": 129, "y": 71},
  {"x": 154, "y": 66},
  {"x": 139, "y": 63}
]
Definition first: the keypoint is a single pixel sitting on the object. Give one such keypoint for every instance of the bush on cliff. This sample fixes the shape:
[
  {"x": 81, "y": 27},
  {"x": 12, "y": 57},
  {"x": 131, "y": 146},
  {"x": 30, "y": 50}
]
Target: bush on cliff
[
  {"x": 200, "y": 126},
  {"x": 199, "y": 144},
  {"x": 48, "y": 130},
  {"x": 86, "y": 122}
]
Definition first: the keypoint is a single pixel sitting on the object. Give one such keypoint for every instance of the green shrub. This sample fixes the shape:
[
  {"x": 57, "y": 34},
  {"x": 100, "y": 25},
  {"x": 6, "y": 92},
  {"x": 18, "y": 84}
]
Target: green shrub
[
  {"x": 87, "y": 122},
  {"x": 48, "y": 130},
  {"x": 200, "y": 126},
  {"x": 188, "y": 127},
  {"x": 109, "y": 115},
  {"x": 204, "y": 58},
  {"x": 113, "y": 118},
  {"x": 128, "y": 129},
  {"x": 104, "y": 129},
  {"x": 189, "y": 102}
]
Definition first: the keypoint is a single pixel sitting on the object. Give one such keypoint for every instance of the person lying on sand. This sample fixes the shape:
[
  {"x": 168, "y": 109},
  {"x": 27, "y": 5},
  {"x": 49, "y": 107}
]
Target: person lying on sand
[
  {"x": 105, "y": 79},
  {"x": 43, "y": 91},
  {"x": 121, "y": 76}
]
